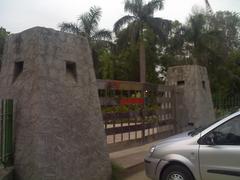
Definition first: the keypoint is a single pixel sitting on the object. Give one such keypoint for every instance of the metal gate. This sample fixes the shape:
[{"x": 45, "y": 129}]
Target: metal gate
[{"x": 6, "y": 152}]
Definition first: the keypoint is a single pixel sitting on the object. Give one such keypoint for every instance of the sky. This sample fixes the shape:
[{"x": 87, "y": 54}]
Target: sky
[{"x": 18, "y": 15}]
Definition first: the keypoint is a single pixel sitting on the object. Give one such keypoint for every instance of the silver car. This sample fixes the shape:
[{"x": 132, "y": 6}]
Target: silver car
[{"x": 211, "y": 153}]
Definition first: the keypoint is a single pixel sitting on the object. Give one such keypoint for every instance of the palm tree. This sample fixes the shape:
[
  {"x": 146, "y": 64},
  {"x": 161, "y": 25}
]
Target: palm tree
[
  {"x": 209, "y": 9},
  {"x": 87, "y": 25},
  {"x": 140, "y": 19}
]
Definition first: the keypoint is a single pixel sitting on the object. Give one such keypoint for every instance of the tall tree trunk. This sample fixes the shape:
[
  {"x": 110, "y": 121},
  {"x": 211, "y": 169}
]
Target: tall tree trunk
[{"x": 142, "y": 62}]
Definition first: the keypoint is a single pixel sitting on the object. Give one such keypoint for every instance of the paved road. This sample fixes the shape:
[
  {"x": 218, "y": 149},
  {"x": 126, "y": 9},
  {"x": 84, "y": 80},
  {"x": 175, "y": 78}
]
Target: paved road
[{"x": 138, "y": 176}]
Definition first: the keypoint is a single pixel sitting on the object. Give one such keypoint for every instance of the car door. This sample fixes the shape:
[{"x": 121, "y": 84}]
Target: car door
[{"x": 219, "y": 152}]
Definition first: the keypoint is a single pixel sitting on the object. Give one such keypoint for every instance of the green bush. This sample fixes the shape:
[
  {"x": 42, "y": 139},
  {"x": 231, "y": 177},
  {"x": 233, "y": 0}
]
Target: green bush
[{"x": 116, "y": 171}]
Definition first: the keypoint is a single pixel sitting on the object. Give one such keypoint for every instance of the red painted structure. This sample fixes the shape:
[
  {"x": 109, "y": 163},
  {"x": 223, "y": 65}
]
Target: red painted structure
[{"x": 127, "y": 101}]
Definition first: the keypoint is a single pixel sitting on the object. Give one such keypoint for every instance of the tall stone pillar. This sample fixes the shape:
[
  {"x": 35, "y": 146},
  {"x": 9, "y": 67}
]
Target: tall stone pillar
[
  {"x": 59, "y": 133},
  {"x": 193, "y": 95}
]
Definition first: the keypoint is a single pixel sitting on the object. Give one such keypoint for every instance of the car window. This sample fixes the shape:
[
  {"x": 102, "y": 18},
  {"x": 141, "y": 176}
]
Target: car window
[
  {"x": 202, "y": 128},
  {"x": 227, "y": 133}
]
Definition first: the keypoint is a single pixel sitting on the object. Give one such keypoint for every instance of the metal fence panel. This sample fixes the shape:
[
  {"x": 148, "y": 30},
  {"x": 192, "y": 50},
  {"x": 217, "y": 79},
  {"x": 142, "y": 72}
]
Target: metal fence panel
[{"x": 133, "y": 110}]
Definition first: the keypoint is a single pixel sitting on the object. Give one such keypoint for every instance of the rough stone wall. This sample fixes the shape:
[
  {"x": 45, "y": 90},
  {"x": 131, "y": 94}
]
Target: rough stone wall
[
  {"x": 59, "y": 132},
  {"x": 193, "y": 95}
]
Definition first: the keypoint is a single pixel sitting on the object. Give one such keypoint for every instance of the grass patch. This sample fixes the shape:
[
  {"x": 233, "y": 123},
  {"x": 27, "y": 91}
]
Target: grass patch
[{"x": 116, "y": 171}]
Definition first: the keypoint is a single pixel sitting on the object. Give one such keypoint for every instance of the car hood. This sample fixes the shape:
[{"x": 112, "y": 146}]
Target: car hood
[{"x": 176, "y": 138}]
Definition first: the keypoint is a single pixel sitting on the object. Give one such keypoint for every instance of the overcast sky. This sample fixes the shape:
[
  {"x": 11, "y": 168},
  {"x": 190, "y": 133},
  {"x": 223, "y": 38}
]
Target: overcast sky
[{"x": 18, "y": 15}]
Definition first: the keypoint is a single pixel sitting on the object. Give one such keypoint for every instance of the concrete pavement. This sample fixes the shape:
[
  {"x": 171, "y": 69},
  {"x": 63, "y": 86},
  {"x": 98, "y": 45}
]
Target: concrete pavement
[
  {"x": 132, "y": 161},
  {"x": 131, "y": 157}
]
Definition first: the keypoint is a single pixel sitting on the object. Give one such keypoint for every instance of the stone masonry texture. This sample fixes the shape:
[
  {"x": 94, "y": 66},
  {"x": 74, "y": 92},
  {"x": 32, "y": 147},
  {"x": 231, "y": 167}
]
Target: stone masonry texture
[
  {"x": 193, "y": 95},
  {"x": 59, "y": 132}
]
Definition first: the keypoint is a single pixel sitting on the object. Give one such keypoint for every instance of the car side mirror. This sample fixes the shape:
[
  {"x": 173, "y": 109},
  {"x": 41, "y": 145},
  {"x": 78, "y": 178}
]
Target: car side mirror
[{"x": 207, "y": 140}]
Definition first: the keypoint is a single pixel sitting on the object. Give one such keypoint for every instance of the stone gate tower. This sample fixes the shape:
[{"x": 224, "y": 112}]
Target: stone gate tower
[
  {"x": 193, "y": 95},
  {"x": 59, "y": 132}
]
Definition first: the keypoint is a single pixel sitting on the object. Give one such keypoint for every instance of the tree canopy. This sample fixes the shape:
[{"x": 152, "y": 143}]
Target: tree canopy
[
  {"x": 144, "y": 43},
  {"x": 3, "y": 34},
  {"x": 137, "y": 22},
  {"x": 87, "y": 26}
]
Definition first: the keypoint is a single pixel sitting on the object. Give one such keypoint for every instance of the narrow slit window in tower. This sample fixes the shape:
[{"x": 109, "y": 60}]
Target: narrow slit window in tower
[
  {"x": 71, "y": 69},
  {"x": 18, "y": 69},
  {"x": 180, "y": 83}
]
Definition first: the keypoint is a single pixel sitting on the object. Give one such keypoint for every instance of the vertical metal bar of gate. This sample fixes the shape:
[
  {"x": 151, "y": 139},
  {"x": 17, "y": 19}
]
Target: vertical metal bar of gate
[{"x": 7, "y": 132}]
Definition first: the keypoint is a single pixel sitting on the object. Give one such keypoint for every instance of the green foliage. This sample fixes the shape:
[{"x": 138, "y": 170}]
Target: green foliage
[
  {"x": 3, "y": 35},
  {"x": 124, "y": 60},
  {"x": 141, "y": 15},
  {"x": 220, "y": 53},
  {"x": 131, "y": 108},
  {"x": 87, "y": 25},
  {"x": 221, "y": 113},
  {"x": 121, "y": 65},
  {"x": 106, "y": 65},
  {"x": 138, "y": 22},
  {"x": 152, "y": 57},
  {"x": 208, "y": 39},
  {"x": 230, "y": 75},
  {"x": 127, "y": 64},
  {"x": 116, "y": 171},
  {"x": 119, "y": 109}
]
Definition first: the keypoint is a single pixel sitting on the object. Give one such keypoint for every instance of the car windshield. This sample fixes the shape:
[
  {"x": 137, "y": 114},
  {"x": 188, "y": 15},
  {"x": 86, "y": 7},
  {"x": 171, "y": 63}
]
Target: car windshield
[{"x": 201, "y": 128}]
